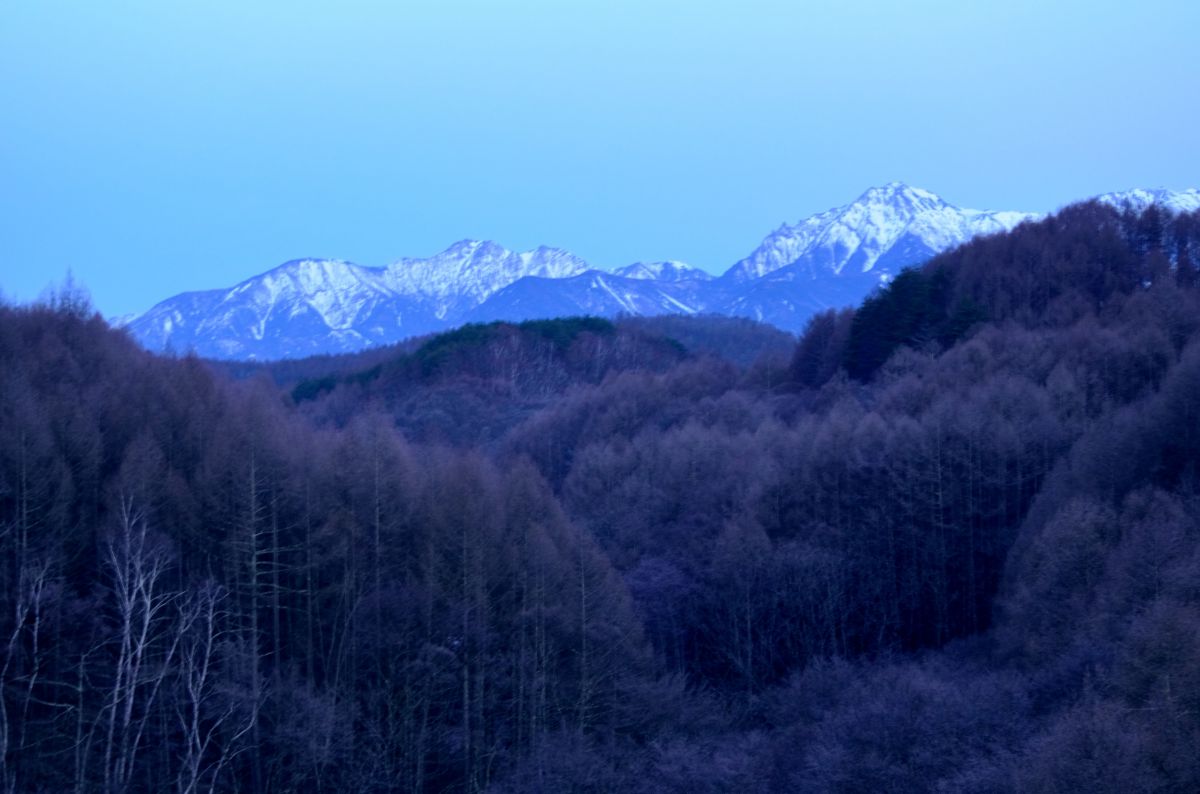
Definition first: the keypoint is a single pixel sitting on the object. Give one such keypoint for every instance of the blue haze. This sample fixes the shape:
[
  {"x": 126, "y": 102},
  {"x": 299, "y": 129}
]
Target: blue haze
[{"x": 160, "y": 147}]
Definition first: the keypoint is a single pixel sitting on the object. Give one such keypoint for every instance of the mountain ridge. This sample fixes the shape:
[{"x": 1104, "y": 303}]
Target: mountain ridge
[{"x": 833, "y": 258}]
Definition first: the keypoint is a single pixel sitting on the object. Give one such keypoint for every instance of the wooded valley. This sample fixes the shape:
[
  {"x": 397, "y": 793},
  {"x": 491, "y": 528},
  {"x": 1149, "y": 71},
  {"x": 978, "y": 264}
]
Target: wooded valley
[{"x": 948, "y": 540}]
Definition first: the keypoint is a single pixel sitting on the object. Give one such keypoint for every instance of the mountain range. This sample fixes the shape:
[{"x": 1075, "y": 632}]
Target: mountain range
[{"x": 835, "y": 258}]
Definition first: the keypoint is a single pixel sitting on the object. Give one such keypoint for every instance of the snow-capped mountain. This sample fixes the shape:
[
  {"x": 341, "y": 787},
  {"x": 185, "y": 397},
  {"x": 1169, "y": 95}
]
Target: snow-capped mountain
[
  {"x": 302, "y": 307},
  {"x": 468, "y": 272},
  {"x": 1140, "y": 198},
  {"x": 835, "y": 258},
  {"x": 663, "y": 271},
  {"x": 310, "y": 306},
  {"x": 832, "y": 259},
  {"x": 886, "y": 228}
]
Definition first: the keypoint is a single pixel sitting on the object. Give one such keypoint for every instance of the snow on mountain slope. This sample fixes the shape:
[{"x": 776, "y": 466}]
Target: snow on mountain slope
[
  {"x": 309, "y": 306},
  {"x": 317, "y": 305},
  {"x": 663, "y": 271},
  {"x": 466, "y": 273},
  {"x": 909, "y": 223},
  {"x": 301, "y": 307},
  {"x": 834, "y": 258},
  {"x": 1140, "y": 198},
  {"x": 592, "y": 293}
]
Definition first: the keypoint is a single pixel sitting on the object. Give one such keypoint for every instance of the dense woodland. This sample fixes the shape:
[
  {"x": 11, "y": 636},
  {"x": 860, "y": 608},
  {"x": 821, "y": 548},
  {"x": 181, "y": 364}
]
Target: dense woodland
[{"x": 946, "y": 541}]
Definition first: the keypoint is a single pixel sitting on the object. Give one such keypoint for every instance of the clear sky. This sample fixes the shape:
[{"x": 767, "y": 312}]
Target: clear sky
[{"x": 155, "y": 147}]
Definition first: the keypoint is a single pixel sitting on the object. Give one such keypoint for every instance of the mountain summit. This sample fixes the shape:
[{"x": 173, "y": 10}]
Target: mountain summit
[{"x": 885, "y": 229}]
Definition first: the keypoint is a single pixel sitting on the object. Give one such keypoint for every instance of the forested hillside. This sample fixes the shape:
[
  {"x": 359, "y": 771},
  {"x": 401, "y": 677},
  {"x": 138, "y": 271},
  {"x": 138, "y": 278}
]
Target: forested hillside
[{"x": 949, "y": 542}]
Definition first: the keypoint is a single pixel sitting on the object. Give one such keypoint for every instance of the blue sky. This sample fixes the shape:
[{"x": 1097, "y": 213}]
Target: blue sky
[{"x": 159, "y": 147}]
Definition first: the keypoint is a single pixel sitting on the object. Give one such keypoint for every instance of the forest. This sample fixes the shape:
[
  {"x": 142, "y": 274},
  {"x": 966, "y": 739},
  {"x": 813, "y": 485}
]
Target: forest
[{"x": 948, "y": 540}]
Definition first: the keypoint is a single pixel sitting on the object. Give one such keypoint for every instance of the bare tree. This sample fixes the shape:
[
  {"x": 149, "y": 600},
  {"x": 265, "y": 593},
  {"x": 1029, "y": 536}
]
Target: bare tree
[
  {"x": 27, "y": 620},
  {"x": 146, "y": 644},
  {"x": 213, "y": 727}
]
